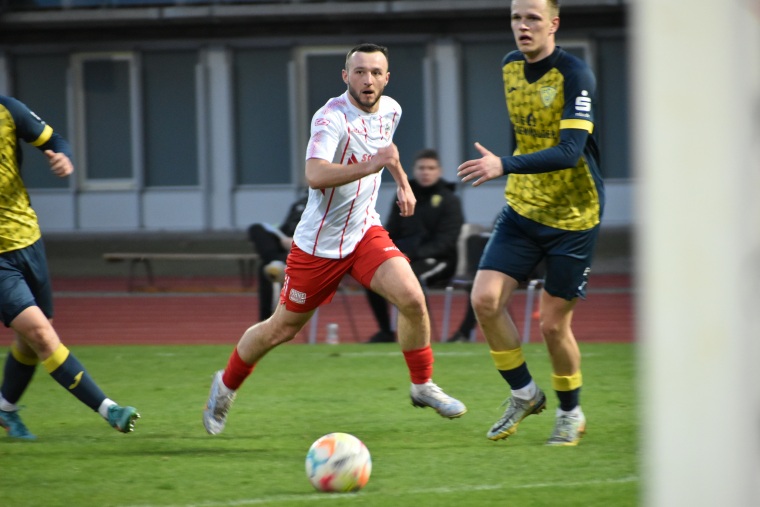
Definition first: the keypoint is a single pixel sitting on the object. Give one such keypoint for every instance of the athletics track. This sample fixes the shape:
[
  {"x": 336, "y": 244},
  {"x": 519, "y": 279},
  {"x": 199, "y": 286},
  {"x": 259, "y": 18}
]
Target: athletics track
[{"x": 100, "y": 311}]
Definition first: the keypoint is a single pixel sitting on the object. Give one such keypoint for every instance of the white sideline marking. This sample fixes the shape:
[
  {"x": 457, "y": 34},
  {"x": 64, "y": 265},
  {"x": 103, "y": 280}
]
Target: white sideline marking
[
  {"x": 398, "y": 353},
  {"x": 439, "y": 353},
  {"x": 319, "y": 497}
]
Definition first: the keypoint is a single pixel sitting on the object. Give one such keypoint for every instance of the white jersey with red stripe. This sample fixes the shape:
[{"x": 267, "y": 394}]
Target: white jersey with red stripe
[{"x": 336, "y": 218}]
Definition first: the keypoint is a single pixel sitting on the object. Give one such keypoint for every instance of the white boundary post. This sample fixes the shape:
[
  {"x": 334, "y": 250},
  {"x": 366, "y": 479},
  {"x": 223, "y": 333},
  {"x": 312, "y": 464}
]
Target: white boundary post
[{"x": 696, "y": 85}]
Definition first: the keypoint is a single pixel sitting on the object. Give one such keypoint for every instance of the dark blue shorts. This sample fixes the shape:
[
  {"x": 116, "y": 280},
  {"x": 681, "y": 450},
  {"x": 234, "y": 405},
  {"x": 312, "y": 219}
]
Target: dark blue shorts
[
  {"x": 24, "y": 282},
  {"x": 518, "y": 244}
]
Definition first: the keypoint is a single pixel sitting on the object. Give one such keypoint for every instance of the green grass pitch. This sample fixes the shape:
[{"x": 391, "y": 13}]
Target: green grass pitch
[{"x": 299, "y": 393}]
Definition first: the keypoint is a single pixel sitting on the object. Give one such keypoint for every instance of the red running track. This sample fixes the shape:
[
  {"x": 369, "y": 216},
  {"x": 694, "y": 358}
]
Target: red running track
[{"x": 212, "y": 311}]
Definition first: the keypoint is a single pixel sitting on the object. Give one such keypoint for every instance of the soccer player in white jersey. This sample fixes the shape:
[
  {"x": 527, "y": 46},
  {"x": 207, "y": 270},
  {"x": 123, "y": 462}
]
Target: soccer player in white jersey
[{"x": 340, "y": 233}]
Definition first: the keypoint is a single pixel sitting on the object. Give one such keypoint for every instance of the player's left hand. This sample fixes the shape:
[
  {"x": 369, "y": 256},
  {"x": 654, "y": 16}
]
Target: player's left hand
[
  {"x": 59, "y": 163},
  {"x": 482, "y": 169},
  {"x": 405, "y": 200}
]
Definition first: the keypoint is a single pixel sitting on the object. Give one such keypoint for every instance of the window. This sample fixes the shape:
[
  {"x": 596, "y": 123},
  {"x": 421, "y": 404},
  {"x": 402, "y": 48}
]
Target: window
[
  {"x": 612, "y": 82},
  {"x": 107, "y": 123},
  {"x": 170, "y": 112},
  {"x": 262, "y": 116},
  {"x": 40, "y": 82},
  {"x": 485, "y": 110}
]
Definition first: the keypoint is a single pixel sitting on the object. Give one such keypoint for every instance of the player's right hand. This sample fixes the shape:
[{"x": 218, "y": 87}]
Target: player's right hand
[
  {"x": 481, "y": 169},
  {"x": 388, "y": 157},
  {"x": 59, "y": 163}
]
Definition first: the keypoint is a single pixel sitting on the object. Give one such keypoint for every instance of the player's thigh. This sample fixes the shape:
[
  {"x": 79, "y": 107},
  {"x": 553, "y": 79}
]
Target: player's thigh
[
  {"x": 492, "y": 289},
  {"x": 396, "y": 282}
]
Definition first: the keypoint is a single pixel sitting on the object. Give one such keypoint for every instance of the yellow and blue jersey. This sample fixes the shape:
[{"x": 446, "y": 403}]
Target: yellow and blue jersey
[
  {"x": 553, "y": 175},
  {"x": 18, "y": 221}
]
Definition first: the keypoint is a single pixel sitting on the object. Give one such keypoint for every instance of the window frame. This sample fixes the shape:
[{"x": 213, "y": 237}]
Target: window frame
[{"x": 87, "y": 183}]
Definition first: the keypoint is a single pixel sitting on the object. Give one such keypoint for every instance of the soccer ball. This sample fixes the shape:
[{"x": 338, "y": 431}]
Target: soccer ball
[{"x": 338, "y": 463}]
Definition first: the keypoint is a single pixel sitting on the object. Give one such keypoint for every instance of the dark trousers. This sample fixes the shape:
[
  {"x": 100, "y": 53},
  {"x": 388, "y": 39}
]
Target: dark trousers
[{"x": 270, "y": 249}]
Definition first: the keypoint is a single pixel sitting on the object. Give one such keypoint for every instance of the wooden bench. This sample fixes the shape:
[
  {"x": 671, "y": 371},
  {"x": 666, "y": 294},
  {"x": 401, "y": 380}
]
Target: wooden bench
[{"x": 247, "y": 263}]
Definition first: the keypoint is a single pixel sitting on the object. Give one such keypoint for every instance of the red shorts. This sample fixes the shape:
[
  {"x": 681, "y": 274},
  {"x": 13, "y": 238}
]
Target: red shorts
[{"x": 311, "y": 281}]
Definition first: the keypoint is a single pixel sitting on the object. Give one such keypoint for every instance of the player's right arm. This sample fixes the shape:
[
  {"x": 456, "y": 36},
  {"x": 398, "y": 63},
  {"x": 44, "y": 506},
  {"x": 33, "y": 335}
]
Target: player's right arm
[
  {"x": 321, "y": 173},
  {"x": 328, "y": 137},
  {"x": 32, "y": 129}
]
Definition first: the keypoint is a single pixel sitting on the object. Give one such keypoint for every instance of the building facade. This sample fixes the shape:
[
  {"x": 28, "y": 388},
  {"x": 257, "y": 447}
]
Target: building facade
[{"x": 187, "y": 115}]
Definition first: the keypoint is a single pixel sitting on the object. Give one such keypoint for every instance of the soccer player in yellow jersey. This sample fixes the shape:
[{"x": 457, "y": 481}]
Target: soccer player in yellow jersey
[
  {"x": 555, "y": 198},
  {"x": 26, "y": 299}
]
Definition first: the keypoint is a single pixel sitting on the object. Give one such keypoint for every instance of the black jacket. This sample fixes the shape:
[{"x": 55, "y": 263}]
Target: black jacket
[
  {"x": 288, "y": 227},
  {"x": 433, "y": 230}
]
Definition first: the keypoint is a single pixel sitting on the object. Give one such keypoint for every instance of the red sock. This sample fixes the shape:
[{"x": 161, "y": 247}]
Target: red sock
[
  {"x": 420, "y": 364},
  {"x": 236, "y": 371}
]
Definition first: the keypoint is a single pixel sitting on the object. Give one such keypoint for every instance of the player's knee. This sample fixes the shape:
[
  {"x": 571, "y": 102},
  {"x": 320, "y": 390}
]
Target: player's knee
[
  {"x": 552, "y": 329},
  {"x": 486, "y": 305},
  {"x": 42, "y": 338},
  {"x": 413, "y": 305}
]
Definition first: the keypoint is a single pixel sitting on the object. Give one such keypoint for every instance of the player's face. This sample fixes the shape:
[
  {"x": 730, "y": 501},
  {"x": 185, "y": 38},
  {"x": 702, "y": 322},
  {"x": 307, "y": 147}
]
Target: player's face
[
  {"x": 427, "y": 171},
  {"x": 533, "y": 25},
  {"x": 366, "y": 75}
]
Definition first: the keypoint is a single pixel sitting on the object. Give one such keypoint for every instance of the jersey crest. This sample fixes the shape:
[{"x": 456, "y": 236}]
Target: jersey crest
[{"x": 547, "y": 95}]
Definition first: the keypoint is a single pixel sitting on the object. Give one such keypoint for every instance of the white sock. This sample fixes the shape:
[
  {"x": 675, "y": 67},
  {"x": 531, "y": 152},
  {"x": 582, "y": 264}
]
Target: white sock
[
  {"x": 575, "y": 413},
  {"x": 103, "y": 408},
  {"x": 527, "y": 392},
  {"x": 7, "y": 406}
]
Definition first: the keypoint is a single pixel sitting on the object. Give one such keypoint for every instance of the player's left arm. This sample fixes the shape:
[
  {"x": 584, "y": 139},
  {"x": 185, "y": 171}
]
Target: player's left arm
[{"x": 405, "y": 199}]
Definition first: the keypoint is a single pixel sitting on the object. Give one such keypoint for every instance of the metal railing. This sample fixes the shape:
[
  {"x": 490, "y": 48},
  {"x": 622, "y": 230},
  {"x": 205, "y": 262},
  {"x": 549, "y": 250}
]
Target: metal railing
[{"x": 27, "y": 5}]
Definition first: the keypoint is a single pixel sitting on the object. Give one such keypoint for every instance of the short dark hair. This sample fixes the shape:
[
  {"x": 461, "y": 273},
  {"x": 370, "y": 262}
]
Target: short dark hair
[
  {"x": 427, "y": 153},
  {"x": 366, "y": 47}
]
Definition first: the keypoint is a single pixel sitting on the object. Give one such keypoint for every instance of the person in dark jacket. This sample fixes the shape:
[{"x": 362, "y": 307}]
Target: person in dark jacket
[
  {"x": 428, "y": 238},
  {"x": 273, "y": 244}
]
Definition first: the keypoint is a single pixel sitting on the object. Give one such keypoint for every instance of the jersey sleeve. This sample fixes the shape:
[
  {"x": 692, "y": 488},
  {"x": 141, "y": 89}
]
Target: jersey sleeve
[
  {"x": 563, "y": 155},
  {"x": 33, "y": 130},
  {"x": 580, "y": 94},
  {"x": 326, "y": 129},
  {"x": 29, "y": 126}
]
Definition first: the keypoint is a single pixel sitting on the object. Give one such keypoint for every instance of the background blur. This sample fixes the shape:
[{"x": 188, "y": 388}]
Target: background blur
[{"x": 192, "y": 116}]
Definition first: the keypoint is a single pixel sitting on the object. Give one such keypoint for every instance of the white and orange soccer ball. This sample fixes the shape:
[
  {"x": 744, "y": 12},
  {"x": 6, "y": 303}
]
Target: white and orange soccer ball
[{"x": 338, "y": 463}]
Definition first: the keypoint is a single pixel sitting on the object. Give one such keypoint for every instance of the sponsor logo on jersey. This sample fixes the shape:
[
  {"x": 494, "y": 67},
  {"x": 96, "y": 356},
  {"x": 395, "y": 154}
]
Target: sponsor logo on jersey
[
  {"x": 297, "y": 296},
  {"x": 582, "y": 103},
  {"x": 322, "y": 121}
]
